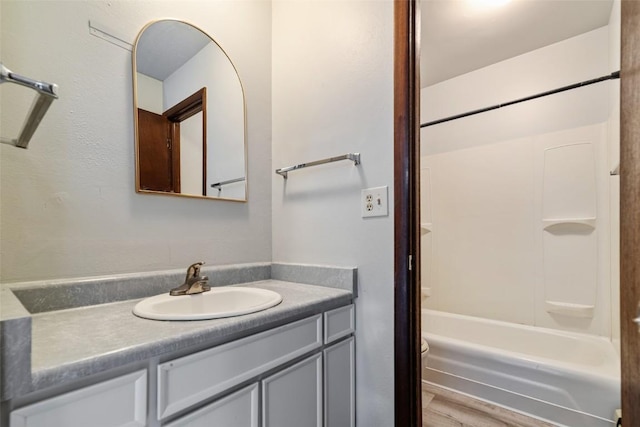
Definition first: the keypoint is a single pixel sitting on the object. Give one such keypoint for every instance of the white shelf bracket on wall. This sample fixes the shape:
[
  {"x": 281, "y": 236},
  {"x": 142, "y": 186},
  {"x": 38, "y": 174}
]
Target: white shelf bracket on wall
[
  {"x": 569, "y": 309},
  {"x": 585, "y": 222}
]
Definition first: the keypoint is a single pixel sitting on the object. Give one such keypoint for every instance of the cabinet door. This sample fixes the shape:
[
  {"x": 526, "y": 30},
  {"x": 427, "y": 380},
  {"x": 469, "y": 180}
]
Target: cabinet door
[
  {"x": 120, "y": 402},
  {"x": 339, "y": 385},
  {"x": 239, "y": 409},
  {"x": 189, "y": 380},
  {"x": 293, "y": 396}
]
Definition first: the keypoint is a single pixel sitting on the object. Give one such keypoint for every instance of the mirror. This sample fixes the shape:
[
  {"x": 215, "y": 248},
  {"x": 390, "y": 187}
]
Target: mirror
[{"x": 189, "y": 115}]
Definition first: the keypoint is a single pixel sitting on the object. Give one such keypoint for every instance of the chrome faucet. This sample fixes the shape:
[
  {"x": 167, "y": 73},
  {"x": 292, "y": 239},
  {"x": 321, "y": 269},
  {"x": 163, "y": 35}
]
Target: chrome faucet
[{"x": 193, "y": 282}]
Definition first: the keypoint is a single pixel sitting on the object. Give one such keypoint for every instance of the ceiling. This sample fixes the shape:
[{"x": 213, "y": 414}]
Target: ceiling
[
  {"x": 165, "y": 46},
  {"x": 459, "y": 36}
]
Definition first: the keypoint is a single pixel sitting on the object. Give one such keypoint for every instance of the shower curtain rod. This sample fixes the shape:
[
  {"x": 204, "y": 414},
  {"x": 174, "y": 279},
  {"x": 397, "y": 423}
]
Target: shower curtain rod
[{"x": 614, "y": 75}]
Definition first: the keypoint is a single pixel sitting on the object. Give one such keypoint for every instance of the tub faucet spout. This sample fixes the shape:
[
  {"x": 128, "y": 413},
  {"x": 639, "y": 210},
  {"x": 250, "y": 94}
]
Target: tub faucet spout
[{"x": 193, "y": 282}]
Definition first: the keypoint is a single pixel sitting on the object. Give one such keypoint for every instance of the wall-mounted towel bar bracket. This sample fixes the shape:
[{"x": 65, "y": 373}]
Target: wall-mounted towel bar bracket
[
  {"x": 354, "y": 157},
  {"x": 47, "y": 92}
]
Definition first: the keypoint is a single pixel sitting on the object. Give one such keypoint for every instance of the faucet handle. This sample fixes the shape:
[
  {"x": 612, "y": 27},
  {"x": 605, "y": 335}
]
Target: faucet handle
[{"x": 193, "y": 270}]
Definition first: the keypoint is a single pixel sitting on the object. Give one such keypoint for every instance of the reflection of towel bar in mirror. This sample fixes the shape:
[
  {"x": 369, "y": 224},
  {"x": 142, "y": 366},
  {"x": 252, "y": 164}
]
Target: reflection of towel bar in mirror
[
  {"x": 354, "y": 157},
  {"x": 219, "y": 185},
  {"x": 47, "y": 92}
]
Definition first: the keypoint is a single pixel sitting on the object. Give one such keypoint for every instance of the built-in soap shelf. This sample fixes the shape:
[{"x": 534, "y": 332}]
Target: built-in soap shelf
[
  {"x": 569, "y": 309},
  {"x": 569, "y": 223},
  {"x": 425, "y": 227},
  {"x": 550, "y": 224}
]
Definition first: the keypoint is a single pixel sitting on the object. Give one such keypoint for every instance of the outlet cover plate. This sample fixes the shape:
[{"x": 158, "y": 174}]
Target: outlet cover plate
[{"x": 374, "y": 202}]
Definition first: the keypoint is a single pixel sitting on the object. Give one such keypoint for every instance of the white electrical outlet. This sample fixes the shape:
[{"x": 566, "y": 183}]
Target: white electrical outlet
[{"x": 375, "y": 202}]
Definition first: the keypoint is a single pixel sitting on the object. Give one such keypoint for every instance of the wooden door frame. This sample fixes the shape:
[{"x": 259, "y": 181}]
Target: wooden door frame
[
  {"x": 188, "y": 107},
  {"x": 630, "y": 210},
  {"x": 408, "y": 396},
  {"x": 406, "y": 211}
]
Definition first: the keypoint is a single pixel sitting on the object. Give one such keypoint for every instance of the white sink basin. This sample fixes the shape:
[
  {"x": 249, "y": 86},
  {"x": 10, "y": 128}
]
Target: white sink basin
[{"x": 224, "y": 301}]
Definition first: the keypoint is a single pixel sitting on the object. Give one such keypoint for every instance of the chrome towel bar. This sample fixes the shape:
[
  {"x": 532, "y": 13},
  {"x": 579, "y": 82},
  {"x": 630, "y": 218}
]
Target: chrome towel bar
[
  {"x": 354, "y": 157},
  {"x": 219, "y": 185},
  {"x": 47, "y": 92}
]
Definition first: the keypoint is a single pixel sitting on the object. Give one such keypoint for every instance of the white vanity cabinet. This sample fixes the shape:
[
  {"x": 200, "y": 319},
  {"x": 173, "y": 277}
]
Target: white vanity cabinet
[
  {"x": 339, "y": 384},
  {"x": 119, "y": 402},
  {"x": 293, "y": 396},
  {"x": 240, "y": 409},
  {"x": 300, "y": 374},
  {"x": 339, "y": 368},
  {"x": 317, "y": 391},
  {"x": 188, "y": 380}
]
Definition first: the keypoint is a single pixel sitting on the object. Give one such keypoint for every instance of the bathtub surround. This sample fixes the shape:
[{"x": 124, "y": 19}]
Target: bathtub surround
[
  {"x": 613, "y": 134},
  {"x": 523, "y": 198},
  {"x": 497, "y": 215},
  {"x": 112, "y": 335}
]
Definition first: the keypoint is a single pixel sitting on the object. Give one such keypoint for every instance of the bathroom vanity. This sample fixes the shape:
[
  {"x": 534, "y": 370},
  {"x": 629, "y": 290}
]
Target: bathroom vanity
[{"x": 290, "y": 365}]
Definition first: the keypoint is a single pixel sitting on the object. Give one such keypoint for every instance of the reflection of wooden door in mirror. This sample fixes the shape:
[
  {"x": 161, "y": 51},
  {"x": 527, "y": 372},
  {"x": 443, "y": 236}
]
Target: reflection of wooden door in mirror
[
  {"x": 183, "y": 110},
  {"x": 159, "y": 158}
]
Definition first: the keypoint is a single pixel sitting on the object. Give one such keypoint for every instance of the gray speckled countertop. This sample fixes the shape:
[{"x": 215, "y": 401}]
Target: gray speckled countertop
[
  {"x": 73, "y": 343},
  {"x": 74, "y": 328}
]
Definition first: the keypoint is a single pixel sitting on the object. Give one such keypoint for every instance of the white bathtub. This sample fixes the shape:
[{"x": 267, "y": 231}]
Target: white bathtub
[{"x": 565, "y": 378}]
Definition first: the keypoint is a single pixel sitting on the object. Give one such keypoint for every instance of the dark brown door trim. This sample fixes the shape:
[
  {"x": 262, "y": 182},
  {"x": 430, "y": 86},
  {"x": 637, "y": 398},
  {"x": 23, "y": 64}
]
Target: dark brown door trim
[
  {"x": 407, "y": 386},
  {"x": 180, "y": 112},
  {"x": 189, "y": 106},
  {"x": 630, "y": 210},
  {"x": 174, "y": 133},
  {"x": 408, "y": 405}
]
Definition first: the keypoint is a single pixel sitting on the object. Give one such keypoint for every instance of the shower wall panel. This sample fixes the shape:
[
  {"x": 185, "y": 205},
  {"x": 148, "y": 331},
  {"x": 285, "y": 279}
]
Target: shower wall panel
[
  {"x": 493, "y": 251},
  {"x": 483, "y": 245},
  {"x": 426, "y": 232},
  {"x": 515, "y": 231},
  {"x": 573, "y": 231}
]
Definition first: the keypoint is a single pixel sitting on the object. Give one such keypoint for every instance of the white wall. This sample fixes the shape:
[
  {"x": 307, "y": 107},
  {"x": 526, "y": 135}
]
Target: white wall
[
  {"x": 149, "y": 93},
  {"x": 332, "y": 94},
  {"x": 484, "y": 184},
  {"x": 68, "y": 202}
]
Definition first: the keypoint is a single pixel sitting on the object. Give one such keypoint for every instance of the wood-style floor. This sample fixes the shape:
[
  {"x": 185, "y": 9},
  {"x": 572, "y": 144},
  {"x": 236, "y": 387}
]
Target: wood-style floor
[{"x": 444, "y": 408}]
